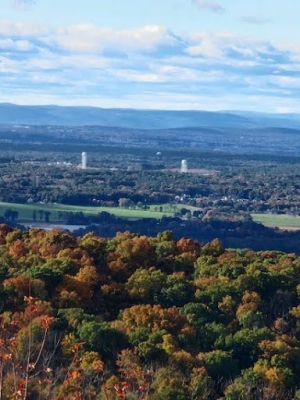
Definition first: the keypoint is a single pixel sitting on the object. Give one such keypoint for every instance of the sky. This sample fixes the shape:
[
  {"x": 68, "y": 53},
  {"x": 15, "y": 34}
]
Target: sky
[{"x": 152, "y": 54}]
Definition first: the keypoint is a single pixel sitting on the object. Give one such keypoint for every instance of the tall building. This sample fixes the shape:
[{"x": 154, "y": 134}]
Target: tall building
[
  {"x": 184, "y": 166},
  {"x": 83, "y": 160}
]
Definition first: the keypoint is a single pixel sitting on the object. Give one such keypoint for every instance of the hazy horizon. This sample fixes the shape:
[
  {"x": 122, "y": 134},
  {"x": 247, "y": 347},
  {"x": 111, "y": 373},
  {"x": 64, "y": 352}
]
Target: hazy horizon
[{"x": 228, "y": 111}]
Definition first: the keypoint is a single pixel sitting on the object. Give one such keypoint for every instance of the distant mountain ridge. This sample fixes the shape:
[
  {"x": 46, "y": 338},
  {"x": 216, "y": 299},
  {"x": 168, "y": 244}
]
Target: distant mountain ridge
[{"x": 12, "y": 114}]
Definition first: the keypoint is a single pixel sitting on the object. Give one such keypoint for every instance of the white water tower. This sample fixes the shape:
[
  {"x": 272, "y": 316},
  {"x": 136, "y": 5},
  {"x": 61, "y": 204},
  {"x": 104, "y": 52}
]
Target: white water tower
[
  {"x": 83, "y": 160},
  {"x": 184, "y": 166}
]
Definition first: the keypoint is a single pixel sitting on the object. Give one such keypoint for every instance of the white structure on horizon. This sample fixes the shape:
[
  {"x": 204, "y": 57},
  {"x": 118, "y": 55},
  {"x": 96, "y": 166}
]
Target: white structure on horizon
[
  {"x": 83, "y": 160},
  {"x": 184, "y": 166}
]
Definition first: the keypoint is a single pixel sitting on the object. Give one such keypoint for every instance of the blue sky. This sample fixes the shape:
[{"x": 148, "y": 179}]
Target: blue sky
[{"x": 159, "y": 54}]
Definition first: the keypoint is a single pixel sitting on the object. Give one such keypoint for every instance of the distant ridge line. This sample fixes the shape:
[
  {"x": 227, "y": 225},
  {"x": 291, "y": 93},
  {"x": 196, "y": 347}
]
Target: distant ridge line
[{"x": 14, "y": 114}]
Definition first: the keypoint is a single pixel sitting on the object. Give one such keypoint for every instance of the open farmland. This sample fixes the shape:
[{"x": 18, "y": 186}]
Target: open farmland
[
  {"x": 288, "y": 222},
  {"x": 25, "y": 211}
]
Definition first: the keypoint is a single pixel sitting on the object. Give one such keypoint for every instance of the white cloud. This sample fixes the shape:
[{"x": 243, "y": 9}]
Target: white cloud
[
  {"x": 8, "y": 66},
  {"x": 167, "y": 74},
  {"x": 206, "y": 48},
  {"x": 210, "y": 45},
  {"x": 47, "y": 78},
  {"x": 19, "y": 45},
  {"x": 286, "y": 82},
  {"x": 22, "y": 29},
  {"x": 92, "y": 38}
]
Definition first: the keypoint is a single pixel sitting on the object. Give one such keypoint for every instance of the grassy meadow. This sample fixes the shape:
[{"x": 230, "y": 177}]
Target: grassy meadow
[
  {"x": 57, "y": 211},
  {"x": 280, "y": 221}
]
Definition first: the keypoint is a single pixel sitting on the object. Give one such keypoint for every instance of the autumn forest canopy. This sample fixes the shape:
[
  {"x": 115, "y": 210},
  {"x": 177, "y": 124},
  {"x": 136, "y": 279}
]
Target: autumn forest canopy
[{"x": 140, "y": 317}]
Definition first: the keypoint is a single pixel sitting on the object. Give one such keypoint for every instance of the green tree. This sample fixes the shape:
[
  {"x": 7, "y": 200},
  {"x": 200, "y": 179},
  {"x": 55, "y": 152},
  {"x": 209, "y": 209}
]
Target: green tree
[
  {"x": 100, "y": 337},
  {"x": 145, "y": 284}
]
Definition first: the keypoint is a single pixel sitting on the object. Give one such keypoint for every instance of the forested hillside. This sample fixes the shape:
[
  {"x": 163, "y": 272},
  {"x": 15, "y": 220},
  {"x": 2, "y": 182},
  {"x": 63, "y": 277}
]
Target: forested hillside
[{"x": 137, "y": 317}]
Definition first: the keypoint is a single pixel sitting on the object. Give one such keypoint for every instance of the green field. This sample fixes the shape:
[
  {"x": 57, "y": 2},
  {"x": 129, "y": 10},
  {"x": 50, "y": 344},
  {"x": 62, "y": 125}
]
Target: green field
[
  {"x": 26, "y": 211},
  {"x": 273, "y": 220}
]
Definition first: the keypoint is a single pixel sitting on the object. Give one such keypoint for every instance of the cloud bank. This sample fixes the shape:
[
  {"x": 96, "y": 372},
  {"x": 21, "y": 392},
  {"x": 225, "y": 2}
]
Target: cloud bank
[{"x": 147, "y": 67}]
